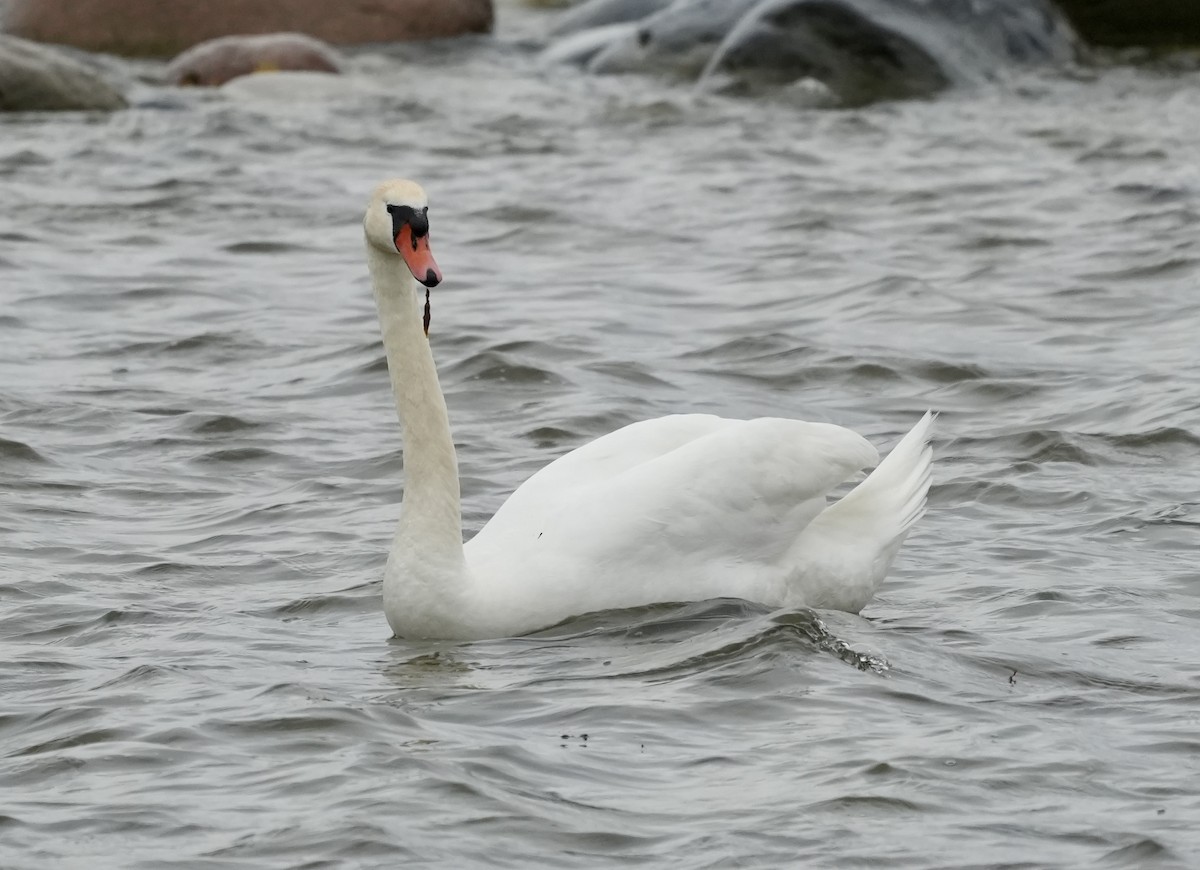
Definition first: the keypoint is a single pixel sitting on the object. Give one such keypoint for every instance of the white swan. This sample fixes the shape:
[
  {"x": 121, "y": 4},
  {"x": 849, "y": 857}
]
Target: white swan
[{"x": 680, "y": 508}]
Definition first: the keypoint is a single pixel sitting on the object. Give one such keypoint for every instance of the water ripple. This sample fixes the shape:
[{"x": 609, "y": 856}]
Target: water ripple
[{"x": 201, "y": 470}]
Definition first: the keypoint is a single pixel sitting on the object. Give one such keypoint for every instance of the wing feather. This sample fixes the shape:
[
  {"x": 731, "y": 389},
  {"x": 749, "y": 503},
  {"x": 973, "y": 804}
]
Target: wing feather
[{"x": 717, "y": 493}]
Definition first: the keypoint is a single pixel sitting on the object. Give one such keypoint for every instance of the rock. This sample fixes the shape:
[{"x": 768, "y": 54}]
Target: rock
[
  {"x": 860, "y": 52},
  {"x": 581, "y": 48},
  {"x": 856, "y": 51},
  {"x": 213, "y": 63},
  {"x": 161, "y": 28},
  {"x": 599, "y": 13},
  {"x": 679, "y": 40},
  {"x": 866, "y": 50},
  {"x": 36, "y": 78},
  {"x": 1127, "y": 23}
]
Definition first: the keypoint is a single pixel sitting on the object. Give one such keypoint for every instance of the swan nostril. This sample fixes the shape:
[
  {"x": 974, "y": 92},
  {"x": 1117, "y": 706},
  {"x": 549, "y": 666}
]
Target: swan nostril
[
  {"x": 431, "y": 278},
  {"x": 643, "y": 38}
]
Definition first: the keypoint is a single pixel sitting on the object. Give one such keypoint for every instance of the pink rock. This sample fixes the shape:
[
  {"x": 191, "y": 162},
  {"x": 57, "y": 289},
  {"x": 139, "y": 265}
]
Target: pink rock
[
  {"x": 167, "y": 27},
  {"x": 215, "y": 62}
]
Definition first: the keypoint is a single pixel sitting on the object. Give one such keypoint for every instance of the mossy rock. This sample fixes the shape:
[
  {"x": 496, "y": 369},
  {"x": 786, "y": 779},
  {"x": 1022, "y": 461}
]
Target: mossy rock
[
  {"x": 1163, "y": 24},
  {"x": 38, "y": 78}
]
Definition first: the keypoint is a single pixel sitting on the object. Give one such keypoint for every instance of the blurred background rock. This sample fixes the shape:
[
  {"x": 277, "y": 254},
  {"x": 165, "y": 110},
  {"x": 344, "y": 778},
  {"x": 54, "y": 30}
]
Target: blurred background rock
[{"x": 156, "y": 29}]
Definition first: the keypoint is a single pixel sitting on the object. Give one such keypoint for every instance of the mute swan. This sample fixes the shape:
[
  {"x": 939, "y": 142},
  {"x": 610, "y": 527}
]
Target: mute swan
[{"x": 680, "y": 508}]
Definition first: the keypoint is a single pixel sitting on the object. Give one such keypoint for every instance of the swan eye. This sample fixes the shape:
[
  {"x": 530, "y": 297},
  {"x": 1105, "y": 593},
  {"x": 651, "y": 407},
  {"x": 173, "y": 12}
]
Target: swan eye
[{"x": 406, "y": 215}]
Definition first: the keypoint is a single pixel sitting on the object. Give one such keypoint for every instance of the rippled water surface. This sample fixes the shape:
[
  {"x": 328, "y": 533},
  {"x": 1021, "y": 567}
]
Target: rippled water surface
[{"x": 200, "y": 470}]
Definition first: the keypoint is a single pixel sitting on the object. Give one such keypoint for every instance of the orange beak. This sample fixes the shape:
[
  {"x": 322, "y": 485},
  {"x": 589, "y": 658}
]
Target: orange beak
[{"x": 416, "y": 253}]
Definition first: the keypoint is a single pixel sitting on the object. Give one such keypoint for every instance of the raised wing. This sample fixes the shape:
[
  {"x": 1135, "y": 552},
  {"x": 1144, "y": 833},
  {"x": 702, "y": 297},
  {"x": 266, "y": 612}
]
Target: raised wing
[{"x": 675, "y": 496}]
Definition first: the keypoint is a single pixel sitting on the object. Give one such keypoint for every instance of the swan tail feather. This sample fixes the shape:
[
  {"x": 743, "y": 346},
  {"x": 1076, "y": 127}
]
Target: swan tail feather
[
  {"x": 894, "y": 495},
  {"x": 851, "y": 544}
]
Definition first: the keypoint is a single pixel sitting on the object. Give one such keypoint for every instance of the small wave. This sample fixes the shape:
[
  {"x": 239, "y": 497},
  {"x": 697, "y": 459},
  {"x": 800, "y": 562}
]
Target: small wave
[
  {"x": 1167, "y": 436},
  {"x": 338, "y": 602},
  {"x": 868, "y": 803},
  {"x": 201, "y": 342},
  {"x": 161, "y": 412},
  {"x": 23, "y": 159},
  {"x": 1138, "y": 855},
  {"x": 770, "y": 344},
  {"x": 994, "y": 242},
  {"x": 1169, "y": 266},
  {"x": 136, "y": 676},
  {"x": 302, "y": 730},
  {"x": 1154, "y": 194},
  {"x": 630, "y": 372},
  {"x": 19, "y": 451},
  {"x": 1035, "y": 446},
  {"x": 517, "y": 213},
  {"x": 238, "y": 454},
  {"x": 552, "y": 437},
  {"x": 709, "y": 635},
  {"x": 72, "y": 741},
  {"x": 222, "y": 424},
  {"x": 153, "y": 293},
  {"x": 254, "y": 247},
  {"x": 491, "y": 365},
  {"x": 78, "y": 629},
  {"x": 951, "y": 373}
]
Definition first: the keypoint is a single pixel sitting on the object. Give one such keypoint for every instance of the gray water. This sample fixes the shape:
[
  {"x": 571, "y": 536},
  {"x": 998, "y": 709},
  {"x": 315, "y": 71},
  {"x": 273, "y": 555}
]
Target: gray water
[{"x": 200, "y": 470}]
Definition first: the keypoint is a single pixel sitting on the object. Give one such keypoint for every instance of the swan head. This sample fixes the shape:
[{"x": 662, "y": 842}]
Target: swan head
[{"x": 397, "y": 223}]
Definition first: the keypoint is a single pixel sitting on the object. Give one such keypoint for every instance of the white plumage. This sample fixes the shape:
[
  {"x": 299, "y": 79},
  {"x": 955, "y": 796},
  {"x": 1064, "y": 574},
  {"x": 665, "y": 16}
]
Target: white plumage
[{"x": 679, "y": 508}]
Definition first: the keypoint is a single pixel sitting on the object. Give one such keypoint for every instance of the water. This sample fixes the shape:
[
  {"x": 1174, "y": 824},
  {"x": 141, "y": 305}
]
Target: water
[{"x": 200, "y": 469}]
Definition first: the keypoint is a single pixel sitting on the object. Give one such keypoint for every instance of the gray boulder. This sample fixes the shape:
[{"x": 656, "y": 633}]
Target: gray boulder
[
  {"x": 678, "y": 40},
  {"x": 844, "y": 51},
  {"x": 1158, "y": 24},
  {"x": 36, "y": 78},
  {"x": 866, "y": 50},
  {"x": 600, "y": 13}
]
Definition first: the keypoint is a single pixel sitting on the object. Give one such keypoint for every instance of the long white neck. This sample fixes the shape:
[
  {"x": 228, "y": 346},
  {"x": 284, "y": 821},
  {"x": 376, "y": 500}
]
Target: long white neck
[{"x": 431, "y": 521}]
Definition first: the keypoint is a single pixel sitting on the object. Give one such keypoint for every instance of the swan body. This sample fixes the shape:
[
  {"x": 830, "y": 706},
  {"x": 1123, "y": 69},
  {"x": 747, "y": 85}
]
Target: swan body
[{"x": 679, "y": 508}]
